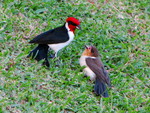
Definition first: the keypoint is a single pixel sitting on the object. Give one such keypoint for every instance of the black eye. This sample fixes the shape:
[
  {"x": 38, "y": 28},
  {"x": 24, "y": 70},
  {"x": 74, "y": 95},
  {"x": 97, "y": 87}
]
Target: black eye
[
  {"x": 92, "y": 50},
  {"x": 72, "y": 23}
]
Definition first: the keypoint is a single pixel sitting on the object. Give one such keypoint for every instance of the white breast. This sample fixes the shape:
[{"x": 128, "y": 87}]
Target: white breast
[
  {"x": 87, "y": 70},
  {"x": 57, "y": 47}
]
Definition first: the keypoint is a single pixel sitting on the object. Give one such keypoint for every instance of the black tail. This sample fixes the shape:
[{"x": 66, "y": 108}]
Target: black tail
[
  {"x": 100, "y": 88},
  {"x": 40, "y": 53}
]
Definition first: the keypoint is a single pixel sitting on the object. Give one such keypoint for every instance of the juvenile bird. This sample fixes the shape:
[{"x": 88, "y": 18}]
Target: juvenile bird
[
  {"x": 94, "y": 68},
  {"x": 56, "y": 39}
]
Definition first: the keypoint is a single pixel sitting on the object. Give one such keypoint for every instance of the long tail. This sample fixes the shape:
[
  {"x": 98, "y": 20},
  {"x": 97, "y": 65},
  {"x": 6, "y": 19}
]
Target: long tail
[
  {"x": 100, "y": 88},
  {"x": 40, "y": 53}
]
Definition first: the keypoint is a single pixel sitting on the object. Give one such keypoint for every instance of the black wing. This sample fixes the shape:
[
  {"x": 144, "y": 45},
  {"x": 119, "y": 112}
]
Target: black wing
[
  {"x": 97, "y": 67},
  {"x": 54, "y": 36}
]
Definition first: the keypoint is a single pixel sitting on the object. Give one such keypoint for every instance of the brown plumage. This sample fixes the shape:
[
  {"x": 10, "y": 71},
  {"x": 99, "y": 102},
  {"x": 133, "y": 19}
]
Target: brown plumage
[
  {"x": 95, "y": 69},
  {"x": 90, "y": 51}
]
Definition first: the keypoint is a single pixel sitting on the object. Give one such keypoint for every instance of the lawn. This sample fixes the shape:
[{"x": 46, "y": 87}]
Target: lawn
[{"x": 120, "y": 29}]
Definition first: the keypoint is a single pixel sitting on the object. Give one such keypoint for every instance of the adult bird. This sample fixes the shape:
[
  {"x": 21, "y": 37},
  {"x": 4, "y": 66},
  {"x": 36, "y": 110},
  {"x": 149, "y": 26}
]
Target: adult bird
[
  {"x": 94, "y": 68},
  {"x": 56, "y": 39}
]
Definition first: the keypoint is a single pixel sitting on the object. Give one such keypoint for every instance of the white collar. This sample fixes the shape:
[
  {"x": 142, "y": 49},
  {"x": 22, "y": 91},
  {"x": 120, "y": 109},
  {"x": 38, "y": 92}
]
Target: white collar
[
  {"x": 67, "y": 27},
  {"x": 90, "y": 57}
]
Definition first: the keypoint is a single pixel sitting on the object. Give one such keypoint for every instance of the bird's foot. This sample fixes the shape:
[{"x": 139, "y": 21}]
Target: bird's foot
[
  {"x": 46, "y": 63},
  {"x": 84, "y": 76},
  {"x": 52, "y": 56}
]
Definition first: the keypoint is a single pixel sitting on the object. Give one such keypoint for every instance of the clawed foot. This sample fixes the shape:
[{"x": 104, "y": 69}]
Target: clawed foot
[
  {"x": 84, "y": 76},
  {"x": 52, "y": 56}
]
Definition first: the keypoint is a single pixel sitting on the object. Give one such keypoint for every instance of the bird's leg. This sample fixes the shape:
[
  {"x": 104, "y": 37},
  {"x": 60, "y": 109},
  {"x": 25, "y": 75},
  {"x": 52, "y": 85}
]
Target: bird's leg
[
  {"x": 53, "y": 55},
  {"x": 84, "y": 76},
  {"x": 56, "y": 54}
]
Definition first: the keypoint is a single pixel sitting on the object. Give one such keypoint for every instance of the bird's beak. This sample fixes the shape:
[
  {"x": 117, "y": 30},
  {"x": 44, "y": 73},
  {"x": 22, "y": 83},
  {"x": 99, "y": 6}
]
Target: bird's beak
[
  {"x": 78, "y": 27},
  {"x": 86, "y": 47}
]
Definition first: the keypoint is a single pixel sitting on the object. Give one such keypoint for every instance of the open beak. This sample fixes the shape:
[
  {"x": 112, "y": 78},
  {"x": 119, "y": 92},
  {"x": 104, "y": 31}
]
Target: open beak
[{"x": 78, "y": 27}]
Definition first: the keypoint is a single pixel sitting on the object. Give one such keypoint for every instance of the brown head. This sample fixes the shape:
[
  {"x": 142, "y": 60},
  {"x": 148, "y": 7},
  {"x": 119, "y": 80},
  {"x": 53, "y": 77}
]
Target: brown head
[{"x": 91, "y": 51}]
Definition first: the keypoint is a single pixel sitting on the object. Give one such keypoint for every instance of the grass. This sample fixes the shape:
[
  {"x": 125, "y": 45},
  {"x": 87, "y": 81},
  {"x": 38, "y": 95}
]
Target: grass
[{"x": 119, "y": 29}]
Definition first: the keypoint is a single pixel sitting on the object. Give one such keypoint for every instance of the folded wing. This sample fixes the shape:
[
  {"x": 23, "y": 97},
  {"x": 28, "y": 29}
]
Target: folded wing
[
  {"x": 97, "y": 67},
  {"x": 54, "y": 36}
]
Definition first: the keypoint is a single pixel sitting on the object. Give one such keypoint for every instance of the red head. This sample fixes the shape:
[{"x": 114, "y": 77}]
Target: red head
[{"x": 73, "y": 23}]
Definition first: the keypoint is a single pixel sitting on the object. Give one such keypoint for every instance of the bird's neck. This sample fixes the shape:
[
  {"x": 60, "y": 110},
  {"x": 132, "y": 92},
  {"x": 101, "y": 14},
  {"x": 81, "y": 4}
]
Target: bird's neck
[{"x": 70, "y": 27}]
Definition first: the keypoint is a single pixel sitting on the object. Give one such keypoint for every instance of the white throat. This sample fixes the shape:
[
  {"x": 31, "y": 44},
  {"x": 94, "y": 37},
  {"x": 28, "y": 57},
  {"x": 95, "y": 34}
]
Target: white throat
[
  {"x": 87, "y": 70},
  {"x": 67, "y": 27}
]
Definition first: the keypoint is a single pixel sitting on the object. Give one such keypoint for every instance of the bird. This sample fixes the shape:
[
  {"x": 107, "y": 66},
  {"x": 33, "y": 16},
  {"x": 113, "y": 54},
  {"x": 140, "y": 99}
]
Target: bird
[
  {"x": 40, "y": 53},
  {"x": 94, "y": 68},
  {"x": 56, "y": 39}
]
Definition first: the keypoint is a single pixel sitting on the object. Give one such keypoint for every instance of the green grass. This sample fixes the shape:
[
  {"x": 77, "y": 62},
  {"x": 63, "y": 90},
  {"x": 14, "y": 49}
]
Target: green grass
[{"x": 119, "y": 29}]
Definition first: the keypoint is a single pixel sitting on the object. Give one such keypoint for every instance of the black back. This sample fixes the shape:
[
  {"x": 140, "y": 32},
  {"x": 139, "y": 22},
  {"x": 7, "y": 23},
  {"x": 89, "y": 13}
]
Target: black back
[{"x": 54, "y": 36}]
